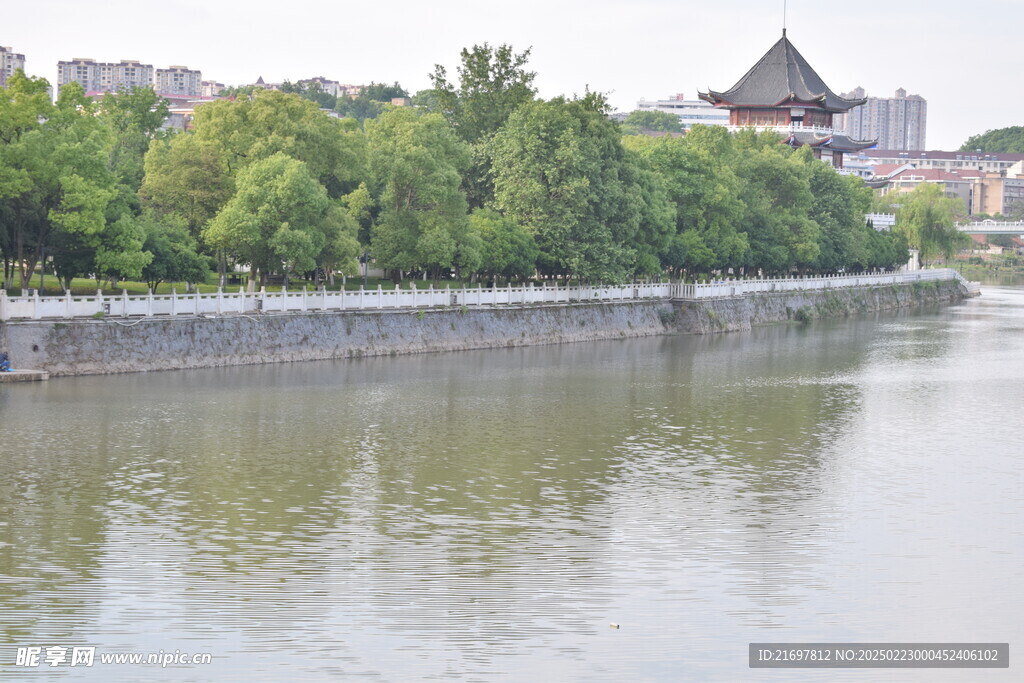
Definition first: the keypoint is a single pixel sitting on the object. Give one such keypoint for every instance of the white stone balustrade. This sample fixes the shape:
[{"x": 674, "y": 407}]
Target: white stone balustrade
[{"x": 123, "y": 305}]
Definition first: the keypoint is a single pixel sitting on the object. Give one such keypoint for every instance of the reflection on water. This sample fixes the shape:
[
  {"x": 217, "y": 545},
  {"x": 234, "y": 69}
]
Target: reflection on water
[{"x": 486, "y": 515}]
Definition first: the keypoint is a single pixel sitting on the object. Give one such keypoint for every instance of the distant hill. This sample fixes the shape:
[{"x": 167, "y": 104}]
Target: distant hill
[{"x": 1006, "y": 140}]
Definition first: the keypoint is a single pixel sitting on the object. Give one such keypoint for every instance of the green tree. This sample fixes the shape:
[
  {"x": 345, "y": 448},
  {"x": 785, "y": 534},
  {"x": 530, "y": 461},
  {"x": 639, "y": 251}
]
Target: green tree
[
  {"x": 703, "y": 188},
  {"x": 775, "y": 189},
  {"x": 135, "y": 115},
  {"x": 509, "y": 251},
  {"x": 361, "y": 207},
  {"x": 560, "y": 170},
  {"x": 838, "y": 207},
  {"x": 647, "y": 120},
  {"x": 311, "y": 91},
  {"x": 359, "y": 108},
  {"x": 249, "y": 131},
  {"x": 186, "y": 177},
  {"x": 492, "y": 83},
  {"x": 416, "y": 162},
  {"x": 382, "y": 92},
  {"x": 275, "y": 220},
  {"x": 927, "y": 219},
  {"x": 1000, "y": 141},
  {"x": 57, "y": 183},
  {"x": 175, "y": 257}
]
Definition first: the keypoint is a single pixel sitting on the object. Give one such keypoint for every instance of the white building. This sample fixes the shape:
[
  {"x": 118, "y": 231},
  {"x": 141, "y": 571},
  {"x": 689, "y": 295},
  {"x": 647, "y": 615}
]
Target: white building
[
  {"x": 690, "y": 112},
  {"x": 10, "y": 61}
]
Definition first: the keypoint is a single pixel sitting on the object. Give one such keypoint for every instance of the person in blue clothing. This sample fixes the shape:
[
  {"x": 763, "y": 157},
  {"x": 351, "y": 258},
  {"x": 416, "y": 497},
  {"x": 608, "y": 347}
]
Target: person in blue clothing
[{"x": 5, "y": 362}]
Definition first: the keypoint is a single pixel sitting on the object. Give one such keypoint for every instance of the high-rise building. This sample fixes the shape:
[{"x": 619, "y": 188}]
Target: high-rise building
[
  {"x": 896, "y": 122},
  {"x": 178, "y": 80},
  {"x": 690, "y": 112},
  {"x": 104, "y": 77},
  {"x": 10, "y": 61}
]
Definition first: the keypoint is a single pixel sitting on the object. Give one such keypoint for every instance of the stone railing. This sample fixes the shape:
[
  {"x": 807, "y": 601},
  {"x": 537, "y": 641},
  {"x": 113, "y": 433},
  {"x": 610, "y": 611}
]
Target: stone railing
[
  {"x": 735, "y": 288},
  {"x": 123, "y": 305}
]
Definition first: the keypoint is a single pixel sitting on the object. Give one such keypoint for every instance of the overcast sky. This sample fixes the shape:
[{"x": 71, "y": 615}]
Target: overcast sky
[{"x": 965, "y": 58}]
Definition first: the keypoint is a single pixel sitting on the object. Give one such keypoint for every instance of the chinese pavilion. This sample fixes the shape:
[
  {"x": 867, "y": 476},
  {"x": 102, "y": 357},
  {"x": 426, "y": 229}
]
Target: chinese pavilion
[{"x": 782, "y": 92}]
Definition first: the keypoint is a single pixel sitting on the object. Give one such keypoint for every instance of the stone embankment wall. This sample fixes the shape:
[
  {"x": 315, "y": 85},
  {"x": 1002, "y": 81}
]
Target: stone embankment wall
[{"x": 82, "y": 347}]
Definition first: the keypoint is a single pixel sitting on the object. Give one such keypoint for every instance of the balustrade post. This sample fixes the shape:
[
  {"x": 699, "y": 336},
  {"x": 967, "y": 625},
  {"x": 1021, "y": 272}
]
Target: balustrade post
[
  {"x": 3, "y": 304},
  {"x": 174, "y": 301},
  {"x": 67, "y": 304},
  {"x": 380, "y": 295},
  {"x": 124, "y": 303},
  {"x": 220, "y": 300},
  {"x": 412, "y": 287},
  {"x": 304, "y": 305},
  {"x": 149, "y": 302}
]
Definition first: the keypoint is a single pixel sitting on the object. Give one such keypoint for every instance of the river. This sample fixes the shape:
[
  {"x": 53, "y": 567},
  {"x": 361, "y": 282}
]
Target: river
[{"x": 489, "y": 515}]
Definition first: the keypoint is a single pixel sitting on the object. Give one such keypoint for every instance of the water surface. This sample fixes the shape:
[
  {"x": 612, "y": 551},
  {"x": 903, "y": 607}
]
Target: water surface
[{"x": 486, "y": 515}]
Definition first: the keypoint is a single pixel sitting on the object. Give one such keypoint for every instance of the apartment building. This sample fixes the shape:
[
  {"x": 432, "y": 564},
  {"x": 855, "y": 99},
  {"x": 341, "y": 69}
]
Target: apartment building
[
  {"x": 103, "y": 76},
  {"x": 178, "y": 80},
  {"x": 10, "y": 61},
  {"x": 898, "y": 122}
]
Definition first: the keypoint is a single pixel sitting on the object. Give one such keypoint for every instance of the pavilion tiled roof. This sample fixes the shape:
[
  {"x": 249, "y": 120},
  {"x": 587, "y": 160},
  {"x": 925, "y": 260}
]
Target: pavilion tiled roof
[
  {"x": 781, "y": 77},
  {"x": 836, "y": 141}
]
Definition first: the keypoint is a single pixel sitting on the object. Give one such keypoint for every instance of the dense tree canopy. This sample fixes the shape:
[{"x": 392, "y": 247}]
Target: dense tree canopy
[
  {"x": 477, "y": 179},
  {"x": 647, "y": 120},
  {"x": 1002, "y": 140},
  {"x": 417, "y": 163}
]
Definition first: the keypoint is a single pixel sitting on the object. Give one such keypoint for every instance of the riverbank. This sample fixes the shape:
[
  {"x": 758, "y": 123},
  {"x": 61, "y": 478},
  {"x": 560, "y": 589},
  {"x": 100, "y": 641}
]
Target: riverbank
[{"x": 111, "y": 345}]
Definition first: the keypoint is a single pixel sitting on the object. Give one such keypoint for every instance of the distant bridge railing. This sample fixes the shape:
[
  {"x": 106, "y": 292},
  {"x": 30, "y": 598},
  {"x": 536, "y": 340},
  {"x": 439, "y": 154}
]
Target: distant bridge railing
[
  {"x": 992, "y": 228},
  {"x": 123, "y": 305}
]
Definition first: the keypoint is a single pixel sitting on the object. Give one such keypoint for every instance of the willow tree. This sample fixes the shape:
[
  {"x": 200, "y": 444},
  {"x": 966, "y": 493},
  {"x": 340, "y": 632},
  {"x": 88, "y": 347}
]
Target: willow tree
[{"x": 927, "y": 219}]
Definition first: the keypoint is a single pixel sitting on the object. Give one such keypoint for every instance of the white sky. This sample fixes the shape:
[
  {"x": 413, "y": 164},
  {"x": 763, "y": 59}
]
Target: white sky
[{"x": 965, "y": 58}]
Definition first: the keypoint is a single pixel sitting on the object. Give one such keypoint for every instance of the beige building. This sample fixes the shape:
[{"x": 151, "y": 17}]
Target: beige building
[
  {"x": 10, "y": 61},
  {"x": 898, "y": 122},
  {"x": 178, "y": 80},
  {"x": 999, "y": 193},
  {"x": 211, "y": 88},
  {"x": 104, "y": 77},
  {"x": 957, "y": 185}
]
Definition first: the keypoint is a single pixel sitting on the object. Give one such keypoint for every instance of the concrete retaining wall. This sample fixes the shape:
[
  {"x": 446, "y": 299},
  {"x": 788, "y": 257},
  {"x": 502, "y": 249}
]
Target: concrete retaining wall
[{"x": 125, "y": 345}]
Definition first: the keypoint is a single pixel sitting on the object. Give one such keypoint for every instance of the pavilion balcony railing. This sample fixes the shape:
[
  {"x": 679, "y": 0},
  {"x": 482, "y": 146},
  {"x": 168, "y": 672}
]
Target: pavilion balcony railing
[
  {"x": 787, "y": 128},
  {"x": 102, "y": 306}
]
